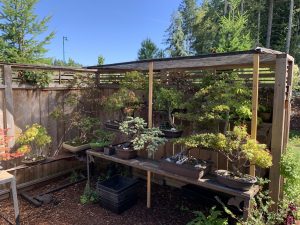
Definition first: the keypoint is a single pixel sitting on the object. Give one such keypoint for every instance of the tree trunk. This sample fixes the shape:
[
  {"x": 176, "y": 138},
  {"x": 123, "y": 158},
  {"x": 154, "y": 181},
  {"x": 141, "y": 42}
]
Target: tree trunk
[
  {"x": 225, "y": 7},
  {"x": 258, "y": 23},
  {"x": 289, "y": 33},
  {"x": 270, "y": 23}
]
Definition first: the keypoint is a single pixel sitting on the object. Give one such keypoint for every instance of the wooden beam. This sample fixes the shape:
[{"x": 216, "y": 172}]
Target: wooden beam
[
  {"x": 254, "y": 102},
  {"x": 148, "y": 189},
  {"x": 9, "y": 121},
  {"x": 150, "y": 98},
  {"x": 278, "y": 126}
]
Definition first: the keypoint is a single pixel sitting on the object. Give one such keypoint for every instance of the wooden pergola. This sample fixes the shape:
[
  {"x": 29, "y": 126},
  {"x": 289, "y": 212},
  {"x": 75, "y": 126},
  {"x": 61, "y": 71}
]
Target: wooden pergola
[{"x": 282, "y": 65}]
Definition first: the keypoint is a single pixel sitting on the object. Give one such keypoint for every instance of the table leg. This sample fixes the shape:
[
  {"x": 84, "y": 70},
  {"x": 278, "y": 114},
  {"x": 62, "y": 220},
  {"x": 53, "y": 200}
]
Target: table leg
[
  {"x": 15, "y": 200},
  {"x": 88, "y": 169},
  {"x": 148, "y": 189},
  {"x": 247, "y": 208}
]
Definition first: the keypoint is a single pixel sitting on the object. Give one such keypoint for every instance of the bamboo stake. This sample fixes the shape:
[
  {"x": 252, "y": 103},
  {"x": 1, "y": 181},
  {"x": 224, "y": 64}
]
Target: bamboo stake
[
  {"x": 148, "y": 189},
  {"x": 150, "y": 98},
  {"x": 254, "y": 103}
]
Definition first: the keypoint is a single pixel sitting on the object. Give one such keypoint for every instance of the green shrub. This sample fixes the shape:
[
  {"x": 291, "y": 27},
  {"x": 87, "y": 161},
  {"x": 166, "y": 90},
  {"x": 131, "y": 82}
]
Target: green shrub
[
  {"x": 214, "y": 218},
  {"x": 36, "y": 78},
  {"x": 89, "y": 196}
]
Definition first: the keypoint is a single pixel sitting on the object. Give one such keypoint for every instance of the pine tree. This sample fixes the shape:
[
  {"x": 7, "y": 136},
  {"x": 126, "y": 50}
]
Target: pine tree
[
  {"x": 148, "y": 50},
  {"x": 176, "y": 37},
  {"x": 234, "y": 35},
  {"x": 20, "y": 29},
  {"x": 188, "y": 10}
]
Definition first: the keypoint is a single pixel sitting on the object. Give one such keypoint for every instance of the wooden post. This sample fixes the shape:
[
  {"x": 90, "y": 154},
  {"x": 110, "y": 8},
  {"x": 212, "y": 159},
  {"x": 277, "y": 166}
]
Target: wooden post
[
  {"x": 150, "y": 98},
  {"x": 9, "y": 121},
  {"x": 148, "y": 189},
  {"x": 278, "y": 125},
  {"x": 254, "y": 103}
]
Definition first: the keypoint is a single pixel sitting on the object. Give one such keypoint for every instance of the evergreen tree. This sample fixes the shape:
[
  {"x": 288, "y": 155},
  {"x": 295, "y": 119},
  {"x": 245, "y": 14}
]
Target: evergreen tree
[
  {"x": 70, "y": 63},
  {"x": 101, "y": 60},
  {"x": 19, "y": 30},
  {"x": 234, "y": 35},
  {"x": 188, "y": 10},
  {"x": 148, "y": 50},
  {"x": 176, "y": 38}
]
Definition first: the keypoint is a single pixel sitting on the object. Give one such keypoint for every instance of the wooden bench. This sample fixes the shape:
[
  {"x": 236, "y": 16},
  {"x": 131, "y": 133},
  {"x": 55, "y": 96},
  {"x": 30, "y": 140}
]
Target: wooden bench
[{"x": 152, "y": 166}]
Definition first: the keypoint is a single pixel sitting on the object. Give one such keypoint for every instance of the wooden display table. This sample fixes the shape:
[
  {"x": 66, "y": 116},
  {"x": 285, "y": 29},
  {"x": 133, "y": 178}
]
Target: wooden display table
[
  {"x": 5, "y": 178},
  {"x": 152, "y": 166}
]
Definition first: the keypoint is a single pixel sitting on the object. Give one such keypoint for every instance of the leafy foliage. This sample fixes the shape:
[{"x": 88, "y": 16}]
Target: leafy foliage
[
  {"x": 5, "y": 150},
  {"x": 168, "y": 99},
  {"x": 101, "y": 60},
  {"x": 290, "y": 170},
  {"x": 214, "y": 218},
  {"x": 134, "y": 80},
  {"x": 71, "y": 63},
  {"x": 236, "y": 145},
  {"x": 36, "y": 78},
  {"x": 220, "y": 97},
  {"x": 141, "y": 136},
  {"x": 33, "y": 140},
  {"x": 21, "y": 30},
  {"x": 89, "y": 196}
]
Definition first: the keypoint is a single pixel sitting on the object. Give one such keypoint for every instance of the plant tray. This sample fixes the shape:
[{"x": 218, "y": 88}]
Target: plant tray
[
  {"x": 172, "y": 134},
  {"x": 235, "y": 183},
  {"x": 184, "y": 170},
  {"x": 75, "y": 149}
]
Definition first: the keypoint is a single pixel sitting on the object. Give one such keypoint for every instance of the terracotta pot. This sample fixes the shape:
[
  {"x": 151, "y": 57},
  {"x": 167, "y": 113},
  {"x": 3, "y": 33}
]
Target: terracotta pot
[
  {"x": 75, "y": 149},
  {"x": 126, "y": 153},
  {"x": 223, "y": 177},
  {"x": 184, "y": 170}
]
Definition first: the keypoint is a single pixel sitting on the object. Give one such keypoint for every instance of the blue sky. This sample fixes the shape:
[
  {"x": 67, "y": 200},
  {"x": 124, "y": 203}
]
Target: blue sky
[{"x": 113, "y": 28}]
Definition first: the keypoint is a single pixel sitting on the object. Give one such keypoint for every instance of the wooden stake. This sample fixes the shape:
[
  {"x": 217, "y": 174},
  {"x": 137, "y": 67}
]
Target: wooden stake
[
  {"x": 150, "y": 98},
  {"x": 254, "y": 103},
  {"x": 148, "y": 189}
]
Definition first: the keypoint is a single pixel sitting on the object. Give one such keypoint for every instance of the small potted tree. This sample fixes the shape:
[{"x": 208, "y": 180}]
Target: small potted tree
[
  {"x": 140, "y": 137},
  {"x": 88, "y": 129},
  {"x": 102, "y": 139},
  {"x": 169, "y": 100},
  {"x": 34, "y": 141},
  {"x": 127, "y": 99},
  {"x": 239, "y": 149}
]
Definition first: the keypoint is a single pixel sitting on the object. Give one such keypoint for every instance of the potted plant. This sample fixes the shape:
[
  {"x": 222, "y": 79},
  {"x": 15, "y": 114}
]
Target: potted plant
[
  {"x": 140, "y": 137},
  {"x": 125, "y": 100},
  {"x": 102, "y": 139},
  {"x": 87, "y": 128},
  {"x": 239, "y": 149},
  {"x": 34, "y": 141},
  {"x": 221, "y": 100},
  {"x": 187, "y": 166},
  {"x": 169, "y": 100}
]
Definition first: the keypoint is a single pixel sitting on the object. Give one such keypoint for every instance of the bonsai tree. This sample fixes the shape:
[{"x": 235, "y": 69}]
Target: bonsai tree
[
  {"x": 221, "y": 97},
  {"x": 168, "y": 99},
  {"x": 126, "y": 100},
  {"x": 33, "y": 142},
  {"x": 236, "y": 145},
  {"x": 101, "y": 138},
  {"x": 140, "y": 136}
]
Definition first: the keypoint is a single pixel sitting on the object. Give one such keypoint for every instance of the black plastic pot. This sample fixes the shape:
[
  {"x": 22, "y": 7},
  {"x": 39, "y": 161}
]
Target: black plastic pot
[
  {"x": 171, "y": 133},
  {"x": 109, "y": 150},
  {"x": 244, "y": 184}
]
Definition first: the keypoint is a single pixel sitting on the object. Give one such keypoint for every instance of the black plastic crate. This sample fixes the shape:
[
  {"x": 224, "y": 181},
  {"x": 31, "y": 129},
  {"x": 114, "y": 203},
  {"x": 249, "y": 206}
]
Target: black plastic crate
[
  {"x": 118, "y": 193},
  {"x": 118, "y": 208}
]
